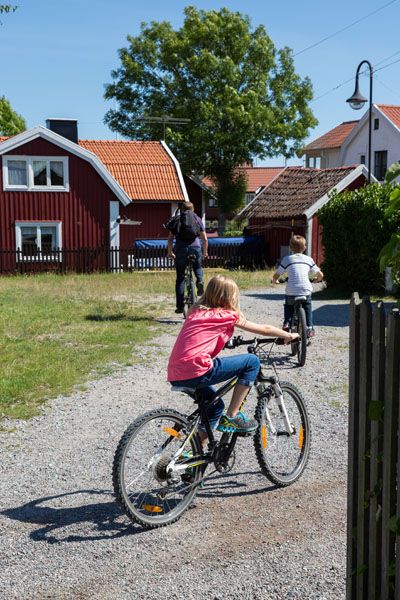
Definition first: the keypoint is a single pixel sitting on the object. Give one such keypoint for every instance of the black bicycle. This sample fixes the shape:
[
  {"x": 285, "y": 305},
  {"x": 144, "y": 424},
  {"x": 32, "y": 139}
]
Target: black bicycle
[
  {"x": 298, "y": 325},
  {"x": 189, "y": 294},
  {"x": 160, "y": 464}
]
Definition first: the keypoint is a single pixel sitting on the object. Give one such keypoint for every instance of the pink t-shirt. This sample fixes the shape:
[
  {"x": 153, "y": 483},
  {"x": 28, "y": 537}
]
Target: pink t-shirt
[{"x": 203, "y": 335}]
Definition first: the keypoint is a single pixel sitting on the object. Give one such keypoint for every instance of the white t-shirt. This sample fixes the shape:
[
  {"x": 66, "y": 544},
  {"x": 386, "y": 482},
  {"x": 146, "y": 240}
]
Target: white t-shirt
[{"x": 298, "y": 267}]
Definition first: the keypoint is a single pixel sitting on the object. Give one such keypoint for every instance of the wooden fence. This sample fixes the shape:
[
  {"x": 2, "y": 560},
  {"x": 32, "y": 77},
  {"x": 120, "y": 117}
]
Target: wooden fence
[
  {"x": 373, "y": 525},
  {"x": 90, "y": 260}
]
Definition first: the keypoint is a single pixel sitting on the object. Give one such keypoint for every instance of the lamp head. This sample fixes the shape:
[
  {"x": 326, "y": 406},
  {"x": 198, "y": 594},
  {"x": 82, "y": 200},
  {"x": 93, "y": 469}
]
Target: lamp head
[{"x": 357, "y": 100}]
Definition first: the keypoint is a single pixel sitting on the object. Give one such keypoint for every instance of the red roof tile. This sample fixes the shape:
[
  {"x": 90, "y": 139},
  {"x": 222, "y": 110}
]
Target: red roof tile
[
  {"x": 392, "y": 112},
  {"x": 256, "y": 177},
  {"x": 294, "y": 191},
  {"x": 333, "y": 138},
  {"x": 143, "y": 169}
]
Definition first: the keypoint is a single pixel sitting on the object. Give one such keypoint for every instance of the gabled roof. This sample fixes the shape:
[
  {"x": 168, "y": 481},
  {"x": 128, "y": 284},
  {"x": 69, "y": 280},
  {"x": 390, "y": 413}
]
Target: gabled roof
[
  {"x": 145, "y": 170},
  {"x": 392, "y": 112},
  {"x": 256, "y": 177},
  {"x": 298, "y": 191},
  {"x": 333, "y": 138},
  {"x": 133, "y": 170}
]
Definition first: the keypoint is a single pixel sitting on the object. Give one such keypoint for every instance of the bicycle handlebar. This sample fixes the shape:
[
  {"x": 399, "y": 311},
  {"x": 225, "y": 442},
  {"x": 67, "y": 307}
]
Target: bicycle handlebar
[{"x": 238, "y": 340}]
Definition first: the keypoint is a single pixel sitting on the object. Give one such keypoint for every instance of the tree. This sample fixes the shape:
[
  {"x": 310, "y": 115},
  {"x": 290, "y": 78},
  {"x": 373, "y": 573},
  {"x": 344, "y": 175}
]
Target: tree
[
  {"x": 242, "y": 96},
  {"x": 11, "y": 122},
  {"x": 390, "y": 253}
]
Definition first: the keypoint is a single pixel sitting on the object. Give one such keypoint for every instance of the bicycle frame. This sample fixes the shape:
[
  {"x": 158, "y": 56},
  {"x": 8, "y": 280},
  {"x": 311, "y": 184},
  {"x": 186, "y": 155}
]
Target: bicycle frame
[{"x": 200, "y": 414}]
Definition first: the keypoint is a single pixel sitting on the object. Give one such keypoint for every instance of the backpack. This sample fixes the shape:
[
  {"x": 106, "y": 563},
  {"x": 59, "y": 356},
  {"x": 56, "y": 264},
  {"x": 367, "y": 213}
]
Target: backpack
[{"x": 184, "y": 226}]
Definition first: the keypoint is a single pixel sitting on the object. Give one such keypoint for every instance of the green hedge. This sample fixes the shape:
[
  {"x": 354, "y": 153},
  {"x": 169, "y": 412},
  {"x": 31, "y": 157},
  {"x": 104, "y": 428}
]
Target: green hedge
[{"x": 355, "y": 230}]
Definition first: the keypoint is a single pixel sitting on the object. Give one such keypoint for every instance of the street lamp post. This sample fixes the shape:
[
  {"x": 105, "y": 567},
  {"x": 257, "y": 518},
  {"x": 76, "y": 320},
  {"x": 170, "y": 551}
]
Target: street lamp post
[{"x": 357, "y": 101}]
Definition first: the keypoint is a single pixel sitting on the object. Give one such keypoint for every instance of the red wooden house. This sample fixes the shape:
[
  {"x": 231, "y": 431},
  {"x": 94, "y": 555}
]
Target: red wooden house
[
  {"x": 56, "y": 192},
  {"x": 290, "y": 203}
]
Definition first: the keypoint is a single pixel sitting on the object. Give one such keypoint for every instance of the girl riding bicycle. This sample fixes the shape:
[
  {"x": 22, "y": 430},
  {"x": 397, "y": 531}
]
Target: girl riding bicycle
[{"x": 194, "y": 364}]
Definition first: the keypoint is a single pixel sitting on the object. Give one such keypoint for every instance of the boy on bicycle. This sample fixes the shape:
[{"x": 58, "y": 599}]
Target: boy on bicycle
[{"x": 298, "y": 267}]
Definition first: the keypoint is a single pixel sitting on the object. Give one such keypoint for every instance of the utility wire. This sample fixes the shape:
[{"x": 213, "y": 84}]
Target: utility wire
[
  {"x": 364, "y": 72},
  {"x": 328, "y": 37}
]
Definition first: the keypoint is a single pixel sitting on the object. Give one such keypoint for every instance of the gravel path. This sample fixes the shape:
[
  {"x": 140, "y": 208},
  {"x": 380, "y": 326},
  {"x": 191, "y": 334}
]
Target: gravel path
[{"x": 62, "y": 535}]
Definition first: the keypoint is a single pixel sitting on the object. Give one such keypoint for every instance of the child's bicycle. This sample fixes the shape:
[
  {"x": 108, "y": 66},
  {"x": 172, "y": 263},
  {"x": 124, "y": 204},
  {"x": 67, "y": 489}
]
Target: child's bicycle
[
  {"x": 189, "y": 294},
  {"x": 160, "y": 464}
]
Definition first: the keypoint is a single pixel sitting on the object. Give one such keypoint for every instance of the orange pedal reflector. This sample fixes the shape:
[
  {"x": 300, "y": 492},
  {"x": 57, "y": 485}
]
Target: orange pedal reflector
[
  {"x": 301, "y": 437},
  {"x": 172, "y": 432},
  {"x": 152, "y": 509},
  {"x": 264, "y": 436}
]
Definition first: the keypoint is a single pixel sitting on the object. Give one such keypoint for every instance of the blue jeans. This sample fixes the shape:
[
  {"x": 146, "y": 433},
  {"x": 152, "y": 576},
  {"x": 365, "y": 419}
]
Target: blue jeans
[
  {"x": 244, "y": 366},
  {"x": 181, "y": 261},
  {"x": 288, "y": 308}
]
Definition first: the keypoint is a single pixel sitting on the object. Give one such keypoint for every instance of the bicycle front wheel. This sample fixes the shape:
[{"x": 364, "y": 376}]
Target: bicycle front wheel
[
  {"x": 300, "y": 347},
  {"x": 147, "y": 492},
  {"x": 282, "y": 455}
]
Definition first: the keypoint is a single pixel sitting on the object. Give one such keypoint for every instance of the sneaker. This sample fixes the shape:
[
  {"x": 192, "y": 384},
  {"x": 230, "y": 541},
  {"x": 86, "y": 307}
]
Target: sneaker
[
  {"x": 238, "y": 424},
  {"x": 286, "y": 326},
  {"x": 311, "y": 332},
  {"x": 179, "y": 311}
]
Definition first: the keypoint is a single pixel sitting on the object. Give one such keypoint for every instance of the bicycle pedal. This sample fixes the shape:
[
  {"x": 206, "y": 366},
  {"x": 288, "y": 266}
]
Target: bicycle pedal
[{"x": 246, "y": 433}]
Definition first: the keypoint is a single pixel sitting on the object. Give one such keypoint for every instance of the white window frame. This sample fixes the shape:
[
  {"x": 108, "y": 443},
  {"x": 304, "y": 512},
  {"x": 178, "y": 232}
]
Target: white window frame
[
  {"x": 38, "y": 224},
  {"x": 30, "y": 179}
]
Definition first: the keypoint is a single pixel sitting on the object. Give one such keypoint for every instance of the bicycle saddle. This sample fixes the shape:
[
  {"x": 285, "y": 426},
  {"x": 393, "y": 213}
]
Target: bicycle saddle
[
  {"x": 300, "y": 298},
  {"x": 186, "y": 390}
]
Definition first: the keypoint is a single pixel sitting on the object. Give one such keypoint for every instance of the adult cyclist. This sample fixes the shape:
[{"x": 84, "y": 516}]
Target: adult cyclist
[{"x": 190, "y": 239}]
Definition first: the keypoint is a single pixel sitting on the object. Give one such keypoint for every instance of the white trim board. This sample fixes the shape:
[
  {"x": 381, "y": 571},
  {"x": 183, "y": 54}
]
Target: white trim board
[
  {"x": 42, "y": 132},
  {"x": 178, "y": 170}
]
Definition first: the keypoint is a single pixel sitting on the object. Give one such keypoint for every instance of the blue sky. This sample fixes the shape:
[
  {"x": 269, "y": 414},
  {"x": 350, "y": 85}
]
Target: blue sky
[{"x": 58, "y": 54}]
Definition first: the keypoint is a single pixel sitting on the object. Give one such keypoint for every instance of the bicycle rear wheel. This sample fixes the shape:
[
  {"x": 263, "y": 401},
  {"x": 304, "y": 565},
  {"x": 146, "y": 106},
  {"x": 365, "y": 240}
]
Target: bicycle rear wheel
[
  {"x": 282, "y": 456},
  {"x": 190, "y": 296},
  {"x": 147, "y": 493}
]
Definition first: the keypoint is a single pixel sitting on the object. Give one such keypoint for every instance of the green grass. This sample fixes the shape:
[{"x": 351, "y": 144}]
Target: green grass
[{"x": 59, "y": 331}]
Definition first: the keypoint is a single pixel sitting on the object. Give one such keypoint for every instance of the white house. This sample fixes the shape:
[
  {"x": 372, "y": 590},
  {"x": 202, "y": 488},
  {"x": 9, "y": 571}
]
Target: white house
[{"x": 347, "y": 144}]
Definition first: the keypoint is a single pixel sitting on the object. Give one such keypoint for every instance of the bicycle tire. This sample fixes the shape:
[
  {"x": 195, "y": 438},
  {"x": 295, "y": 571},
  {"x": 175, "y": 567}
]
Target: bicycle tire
[
  {"x": 302, "y": 331},
  {"x": 273, "y": 449},
  {"x": 151, "y": 516},
  {"x": 189, "y": 297}
]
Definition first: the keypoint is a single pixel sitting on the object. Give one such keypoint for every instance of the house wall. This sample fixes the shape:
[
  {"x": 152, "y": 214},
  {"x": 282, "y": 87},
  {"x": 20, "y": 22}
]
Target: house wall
[
  {"x": 277, "y": 234},
  {"x": 152, "y": 216},
  {"x": 84, "y": 210},
  {"x": 329, "y": 158},
  {"x": 387, "y": 137}
]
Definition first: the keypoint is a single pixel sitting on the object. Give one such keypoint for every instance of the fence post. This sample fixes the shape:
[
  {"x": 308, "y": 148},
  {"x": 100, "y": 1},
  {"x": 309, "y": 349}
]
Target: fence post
[
  {"x": 352, "y": 477},
  {"x": 376, "y": 439},
  {"x": 391, "y": 414}
]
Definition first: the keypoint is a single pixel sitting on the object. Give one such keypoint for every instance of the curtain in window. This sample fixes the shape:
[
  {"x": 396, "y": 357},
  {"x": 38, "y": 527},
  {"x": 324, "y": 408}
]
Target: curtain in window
[
  {"x": 17, "y": 172},
  {"x": 39, "y": 172},
  {"x": 56, "y": 172}
]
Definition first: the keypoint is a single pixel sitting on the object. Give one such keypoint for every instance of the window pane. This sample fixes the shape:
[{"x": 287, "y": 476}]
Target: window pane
[
  {"x": 49, "y": 237},
  {"x": 39, "y": 172},
  {"x": 29, "y": 241},
  {"x": 17, "y": 172},
  {"x": 56, "y": 172}
]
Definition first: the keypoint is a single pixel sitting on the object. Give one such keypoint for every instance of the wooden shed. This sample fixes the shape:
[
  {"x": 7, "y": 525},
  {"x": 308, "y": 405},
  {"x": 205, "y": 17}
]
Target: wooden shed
[{"x": 290, "y": 203}]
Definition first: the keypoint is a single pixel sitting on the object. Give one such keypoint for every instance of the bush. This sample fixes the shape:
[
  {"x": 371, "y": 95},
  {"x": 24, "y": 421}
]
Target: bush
[{"x": 355, "y": 229}]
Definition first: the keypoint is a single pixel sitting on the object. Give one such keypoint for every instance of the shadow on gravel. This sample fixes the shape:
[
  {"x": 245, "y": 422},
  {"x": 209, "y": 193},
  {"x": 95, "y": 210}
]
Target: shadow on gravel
[
  {"x": 227, "y": 486},
  {"x": 264, "y": 296},
  {"x": 58, "y": 524},
  {"x": 332, "y": 315}
]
